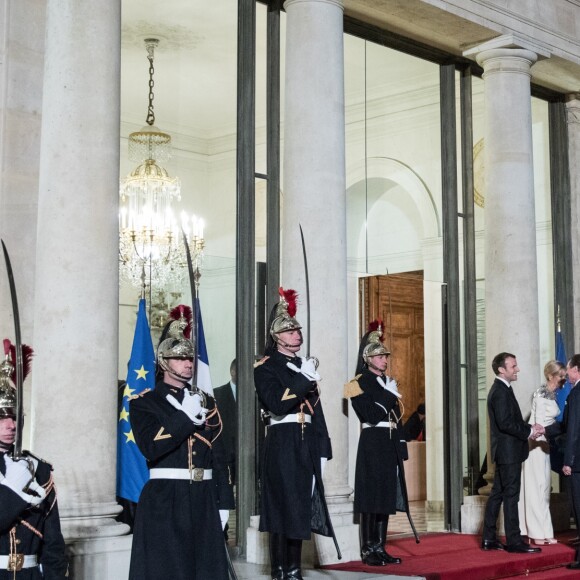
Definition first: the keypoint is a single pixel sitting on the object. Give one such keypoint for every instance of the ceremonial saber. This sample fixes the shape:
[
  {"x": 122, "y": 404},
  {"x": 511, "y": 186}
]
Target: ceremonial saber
[
  {"x": 17, "y": 453},
  {"x": 193, "y": 287},
  {"x": 307, "y": 293}
]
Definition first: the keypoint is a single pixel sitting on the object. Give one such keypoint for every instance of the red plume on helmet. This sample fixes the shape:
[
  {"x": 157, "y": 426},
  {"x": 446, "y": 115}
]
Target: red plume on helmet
[
  {"x": 27, "y": 354},
  {"x": 183, "y": 311},
  {"x": 290, "y": 297}
]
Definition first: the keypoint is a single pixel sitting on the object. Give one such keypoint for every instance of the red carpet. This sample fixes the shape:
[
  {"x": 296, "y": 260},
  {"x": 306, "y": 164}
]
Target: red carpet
[{"x": 459, "y": 556}]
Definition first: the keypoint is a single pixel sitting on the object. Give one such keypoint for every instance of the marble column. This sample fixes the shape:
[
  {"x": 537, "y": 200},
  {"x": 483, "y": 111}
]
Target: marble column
[
  {"x": 573, "y": 120},
  {"x": 314, "y": 197},
  {"x": 74, "y": 406},
  {"x": 511, "y": 286},
  {"x": 21, "y": 58}
]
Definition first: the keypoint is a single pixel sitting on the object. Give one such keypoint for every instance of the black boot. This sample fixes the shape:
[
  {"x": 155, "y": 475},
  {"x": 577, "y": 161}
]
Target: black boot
[
  {"x": 382, "y": 524},
  {"x": 294, "y": 549},
  {"x": 369, "y": 541},
  {"x": 278, "y": 556}
]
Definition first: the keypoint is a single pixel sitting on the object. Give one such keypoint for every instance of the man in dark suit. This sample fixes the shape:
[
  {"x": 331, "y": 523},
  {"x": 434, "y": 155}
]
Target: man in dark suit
[
  {"x": 509, "y": 448},
  {"x": 225, "y": 397},
  {"x": 226, "y": 400},
  {"x": 572, "y": 452}
]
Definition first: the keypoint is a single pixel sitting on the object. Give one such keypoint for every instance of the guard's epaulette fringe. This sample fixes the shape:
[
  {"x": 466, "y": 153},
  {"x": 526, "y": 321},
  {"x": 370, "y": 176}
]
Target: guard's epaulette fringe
[
  {"x": 261, "y": 361},
  {"x": 143, "y": 392},
  {"x": 352, "y": 388}
]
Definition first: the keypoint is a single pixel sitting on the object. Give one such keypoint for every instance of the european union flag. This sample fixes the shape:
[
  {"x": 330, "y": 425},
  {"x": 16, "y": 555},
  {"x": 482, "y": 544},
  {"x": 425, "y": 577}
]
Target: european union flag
[
  {"x": 561, "y": 394},
  {"x": 132, "y": 473},
  {"x": 203, "y": 375}
]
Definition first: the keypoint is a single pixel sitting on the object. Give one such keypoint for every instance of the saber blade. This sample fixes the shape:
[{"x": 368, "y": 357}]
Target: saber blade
[
  {"x": 307, "y": 293},
  {"x": 193, "y": 288},
  {"x": 17, "y": 454}
]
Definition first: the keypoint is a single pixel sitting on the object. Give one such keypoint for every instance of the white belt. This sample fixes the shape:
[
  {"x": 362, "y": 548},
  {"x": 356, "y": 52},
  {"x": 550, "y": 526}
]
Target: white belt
[
  {"x": 291, "y": 418},
  {"x": 389, "y": 424},
  {"x": 196, "y": 474},
  {"x": 21, "y": 561}
]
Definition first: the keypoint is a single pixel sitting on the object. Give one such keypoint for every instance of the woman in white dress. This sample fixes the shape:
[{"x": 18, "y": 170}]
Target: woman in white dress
[{"x": 534, "y": 505}]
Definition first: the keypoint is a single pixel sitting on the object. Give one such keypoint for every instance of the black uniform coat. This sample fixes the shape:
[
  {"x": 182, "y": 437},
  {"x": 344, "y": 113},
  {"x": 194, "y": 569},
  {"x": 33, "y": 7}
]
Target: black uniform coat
[
  {"x": 227, "y": 406},
  {"x": 178, "y": 533},
  {"x": 380, "y": 486},
  {"x": 292, "y": 452},
  {"x": 509, "y": 432},
  {"x": 43, "y": 518}
]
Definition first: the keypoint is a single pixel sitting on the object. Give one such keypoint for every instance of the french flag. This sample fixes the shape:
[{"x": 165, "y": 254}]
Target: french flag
[{"x": 203, "y": 375}]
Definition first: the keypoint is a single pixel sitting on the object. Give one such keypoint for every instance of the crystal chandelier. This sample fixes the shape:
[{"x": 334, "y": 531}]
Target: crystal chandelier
[{"x": 151, "y": 245}]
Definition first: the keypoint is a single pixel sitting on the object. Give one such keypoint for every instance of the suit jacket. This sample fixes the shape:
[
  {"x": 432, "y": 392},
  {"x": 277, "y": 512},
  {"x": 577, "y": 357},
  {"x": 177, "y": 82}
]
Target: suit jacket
[
  {"x": 229, "y": 413},
  {"x": 572, "y": 420},
  {"x": 509, "y": 432}
]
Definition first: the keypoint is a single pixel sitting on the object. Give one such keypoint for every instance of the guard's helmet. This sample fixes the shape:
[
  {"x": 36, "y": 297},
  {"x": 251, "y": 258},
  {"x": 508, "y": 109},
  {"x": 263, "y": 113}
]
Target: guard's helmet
[
  {"x": 282, "y": 316},
  {"x": 175, "y": 339},
  {"x": 8, "y": 393},
  {"x": 371, "y": 345}
]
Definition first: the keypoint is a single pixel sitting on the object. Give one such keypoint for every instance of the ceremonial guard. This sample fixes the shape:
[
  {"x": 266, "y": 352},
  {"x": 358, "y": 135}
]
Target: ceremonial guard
[
  {"x": 296, "y": 446},
  {"x": 380, "y": 488},
  {"x": 182, "y": 509},
  {"x": 31, "y": 542}
]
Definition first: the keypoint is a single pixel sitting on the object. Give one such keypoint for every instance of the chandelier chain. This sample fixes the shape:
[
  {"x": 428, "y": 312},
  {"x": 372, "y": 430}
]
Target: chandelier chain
[{"x": 150, "y": 111}]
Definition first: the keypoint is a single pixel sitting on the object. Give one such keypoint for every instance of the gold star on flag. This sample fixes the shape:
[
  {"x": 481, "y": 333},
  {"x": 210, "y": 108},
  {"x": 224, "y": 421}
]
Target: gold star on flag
[
  {"x": 130, "y": 436},
  {"x": 141, "y": 373},
  {"x": 124, "y": 416},
  {"x": 128, "y": 391}
]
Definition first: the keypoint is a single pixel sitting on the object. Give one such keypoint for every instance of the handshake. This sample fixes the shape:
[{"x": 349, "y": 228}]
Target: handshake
[{"x": 537, "y": 431}]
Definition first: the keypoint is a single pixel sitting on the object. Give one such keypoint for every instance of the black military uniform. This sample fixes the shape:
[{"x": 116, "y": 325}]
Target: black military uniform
[
  {"x": 32, "y": 531},
  {"x": 178, "y": 533},
  {"x": 380, "y": 488},
  {"x": 292, "y": 493},
  {"x": 31, "y": 542}
]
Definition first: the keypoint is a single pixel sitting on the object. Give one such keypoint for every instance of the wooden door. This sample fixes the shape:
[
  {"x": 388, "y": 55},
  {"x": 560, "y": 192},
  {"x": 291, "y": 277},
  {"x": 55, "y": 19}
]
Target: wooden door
[{"x": 398, "y": 300}]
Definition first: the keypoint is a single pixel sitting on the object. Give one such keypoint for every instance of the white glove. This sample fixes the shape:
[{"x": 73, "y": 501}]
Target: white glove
[
  {"x": 392, "y": 385},
  {"x": 323, "y": 461},
  {"x": 224, "y": 515},
  {"x": 308, "y": 369},
  {"x": 191, "y": 406},
  {"x": 18, "y": 476}
]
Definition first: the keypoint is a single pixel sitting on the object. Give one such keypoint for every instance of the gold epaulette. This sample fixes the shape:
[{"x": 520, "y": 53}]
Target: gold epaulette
[
  {"x": 352, "y": 388},
  {"x": 261, "y": 361},
  {"x": 143, "y": 392}
]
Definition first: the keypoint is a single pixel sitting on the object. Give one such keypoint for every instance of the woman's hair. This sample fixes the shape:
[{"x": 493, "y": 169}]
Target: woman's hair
[{"x": 552, "y": 367}]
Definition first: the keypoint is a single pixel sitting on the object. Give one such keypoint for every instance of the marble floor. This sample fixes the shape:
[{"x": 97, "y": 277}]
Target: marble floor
[{"x": 398, "y": 526}]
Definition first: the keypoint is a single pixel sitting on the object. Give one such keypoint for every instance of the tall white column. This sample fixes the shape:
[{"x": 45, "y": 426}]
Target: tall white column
[
  {"x": 511, "y": 276},
  {"x": 76, "y": 303},
  {"x": 314, "y": 197},
  {"x": 573, "y": 119},
  {"x": 511, "y": 287}
]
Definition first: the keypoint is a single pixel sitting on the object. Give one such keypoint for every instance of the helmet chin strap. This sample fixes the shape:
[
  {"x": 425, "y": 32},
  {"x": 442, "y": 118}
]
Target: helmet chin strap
[
  {"x": 374, "y": 366},
  {"x": 288, "y": 345},
  {"x": 168, "y": 369}
]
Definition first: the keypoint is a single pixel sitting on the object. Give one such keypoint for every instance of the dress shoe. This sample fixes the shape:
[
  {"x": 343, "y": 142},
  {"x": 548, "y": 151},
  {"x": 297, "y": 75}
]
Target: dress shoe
[
  {"x": 574, "y": 566},
  {"x": 522, "y": 549},
  {"x": 492, "y": 545},
  {"x": 543, "y": 542}
]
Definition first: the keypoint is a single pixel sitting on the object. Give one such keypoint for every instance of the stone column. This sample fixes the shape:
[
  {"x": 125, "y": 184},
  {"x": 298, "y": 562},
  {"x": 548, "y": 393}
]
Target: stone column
[
  {"x": 76, "y": 302},
  {"x": 511, "y": 287},
  {"x": 573, "y": 118},
  {"x": 314, "y": 197},
  {"x": 21, "y": 72}
]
